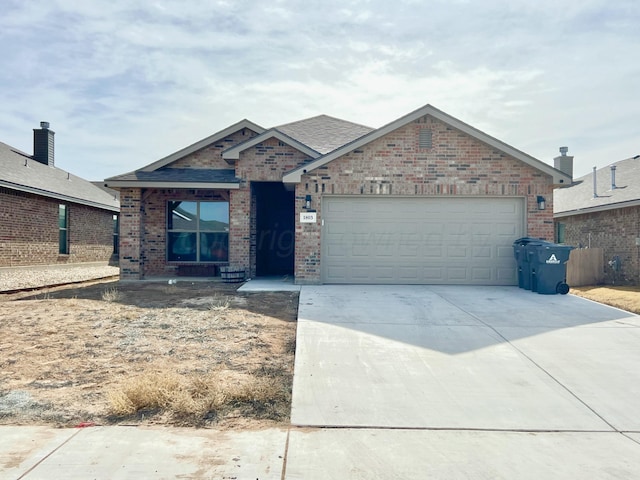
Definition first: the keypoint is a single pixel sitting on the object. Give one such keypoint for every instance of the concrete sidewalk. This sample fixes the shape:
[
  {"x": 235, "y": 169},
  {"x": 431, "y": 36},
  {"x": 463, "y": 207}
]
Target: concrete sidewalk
[{"x": 109, "y": 453}]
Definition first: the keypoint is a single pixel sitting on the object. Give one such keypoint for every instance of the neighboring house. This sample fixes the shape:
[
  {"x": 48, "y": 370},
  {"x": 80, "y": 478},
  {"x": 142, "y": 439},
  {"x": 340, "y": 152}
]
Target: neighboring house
[
  {"x": 424, "y": 199},
  {"x": 604, "y": 213},
  {"x": 49, "y": 216}
]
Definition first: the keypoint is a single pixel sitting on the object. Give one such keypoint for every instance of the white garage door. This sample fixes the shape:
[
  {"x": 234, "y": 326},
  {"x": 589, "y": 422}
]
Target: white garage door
[{"x": 418, "y": 240}]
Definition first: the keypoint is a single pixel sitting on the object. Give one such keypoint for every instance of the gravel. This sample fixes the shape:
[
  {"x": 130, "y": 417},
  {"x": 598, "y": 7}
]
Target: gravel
[{"x": 35, "y": 277}]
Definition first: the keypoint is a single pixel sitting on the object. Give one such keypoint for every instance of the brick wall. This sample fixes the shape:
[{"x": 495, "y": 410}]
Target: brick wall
[
  {"x": 615, "y": 231},
  {"x": 211, "y": 156},
  {"x": 29, "y": 233},
  {"x": 457, "y": 164}
]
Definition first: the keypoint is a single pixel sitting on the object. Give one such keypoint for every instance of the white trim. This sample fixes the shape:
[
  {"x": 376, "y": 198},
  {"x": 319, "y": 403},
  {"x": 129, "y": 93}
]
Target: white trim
[
  {"x": 233, "y": 153},
  {"x": 559, "y": 178},
  {"x": 203, "y": 143}
]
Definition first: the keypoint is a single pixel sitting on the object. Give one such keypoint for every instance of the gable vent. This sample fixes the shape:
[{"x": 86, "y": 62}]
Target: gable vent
[{"x": 424, "y": 140}]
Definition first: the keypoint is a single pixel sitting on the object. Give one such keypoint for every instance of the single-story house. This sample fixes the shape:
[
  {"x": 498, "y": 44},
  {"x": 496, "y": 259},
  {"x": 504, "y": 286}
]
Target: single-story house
[
  {"x": 602, "y": 209},
  {"x": 49, "y": 216},
  {"x": 426, "y": 199}
]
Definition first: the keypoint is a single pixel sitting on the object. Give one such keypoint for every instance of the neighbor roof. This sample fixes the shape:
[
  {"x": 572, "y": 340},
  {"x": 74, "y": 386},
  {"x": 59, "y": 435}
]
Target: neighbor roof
[
  {"x": 19, "y": 171},
  {"x": 579, "y": 198},
  {"x": 558, "y": 177}
]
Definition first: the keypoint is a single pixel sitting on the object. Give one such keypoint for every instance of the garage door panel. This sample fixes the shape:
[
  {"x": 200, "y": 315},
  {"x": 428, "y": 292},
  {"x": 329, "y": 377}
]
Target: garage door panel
[{"x": 453, "y": 240}]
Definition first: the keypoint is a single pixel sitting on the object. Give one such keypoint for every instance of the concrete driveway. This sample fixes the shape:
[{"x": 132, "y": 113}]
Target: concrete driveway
[{"x": 463, "y": 382}]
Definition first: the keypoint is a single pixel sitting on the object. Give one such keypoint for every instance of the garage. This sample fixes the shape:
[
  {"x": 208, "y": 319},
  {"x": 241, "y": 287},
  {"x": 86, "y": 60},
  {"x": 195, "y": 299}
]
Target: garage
[{"x": 420, "y": 240}]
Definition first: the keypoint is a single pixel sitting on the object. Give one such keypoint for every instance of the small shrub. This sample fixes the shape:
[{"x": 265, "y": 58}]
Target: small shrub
[
  {"x": 111, "y": 295},
  {"x": 219, "y": 303}
]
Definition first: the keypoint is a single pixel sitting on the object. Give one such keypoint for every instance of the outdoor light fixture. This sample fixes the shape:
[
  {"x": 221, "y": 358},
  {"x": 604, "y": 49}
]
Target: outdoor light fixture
[
  {"x": 541, "y": 202},
  {"x": 307, "y": 202}
]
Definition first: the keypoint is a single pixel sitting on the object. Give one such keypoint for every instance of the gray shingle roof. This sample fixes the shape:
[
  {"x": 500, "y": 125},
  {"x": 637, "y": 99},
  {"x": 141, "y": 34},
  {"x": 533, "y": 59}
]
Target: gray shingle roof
[
  {"x": 179, "y": 175},
  {"x": 579, "y": 197},
  {"x": 18, "y": 171},
  {"x": 324, "y": 133}
]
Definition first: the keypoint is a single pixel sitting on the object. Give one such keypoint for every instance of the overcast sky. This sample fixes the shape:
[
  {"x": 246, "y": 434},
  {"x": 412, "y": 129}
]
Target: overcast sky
[{"x": 126, "y": 82}]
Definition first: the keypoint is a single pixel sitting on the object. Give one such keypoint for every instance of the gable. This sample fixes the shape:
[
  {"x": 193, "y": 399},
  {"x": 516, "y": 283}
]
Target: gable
[
  {"x": 245, "y": 127},
  {"x": 418, "y": 116}
]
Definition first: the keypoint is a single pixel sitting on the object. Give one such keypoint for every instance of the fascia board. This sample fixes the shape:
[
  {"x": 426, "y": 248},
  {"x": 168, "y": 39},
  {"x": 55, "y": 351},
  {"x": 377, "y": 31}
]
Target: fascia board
[
  {"x": 599, "y": 208},
  {"x": 202, "y": 143},
  {"x": 233, "y": 153},
  {"x": 58, "y": 196}
]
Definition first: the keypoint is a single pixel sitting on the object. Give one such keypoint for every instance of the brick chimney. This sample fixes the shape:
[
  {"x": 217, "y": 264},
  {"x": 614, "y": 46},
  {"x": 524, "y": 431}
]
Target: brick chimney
[{"x": 43, "y": 146}]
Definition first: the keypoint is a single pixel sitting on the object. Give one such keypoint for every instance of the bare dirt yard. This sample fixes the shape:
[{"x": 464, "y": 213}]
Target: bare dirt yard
[{"x": 199, "y": 354}]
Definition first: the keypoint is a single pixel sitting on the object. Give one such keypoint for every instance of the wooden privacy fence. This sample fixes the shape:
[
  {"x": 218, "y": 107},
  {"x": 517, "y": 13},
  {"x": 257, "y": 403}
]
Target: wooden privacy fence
[{"x": 585, "y": 267}]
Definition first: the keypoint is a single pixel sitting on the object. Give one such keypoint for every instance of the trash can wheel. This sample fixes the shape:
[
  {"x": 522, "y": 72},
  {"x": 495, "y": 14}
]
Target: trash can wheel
[{"x": 562, "y": 288}]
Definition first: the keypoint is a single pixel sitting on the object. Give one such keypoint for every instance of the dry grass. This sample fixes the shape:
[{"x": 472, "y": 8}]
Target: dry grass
[
  {"x": 624, "y": 297},
  {"x": 196, "y": 398},
  {"x": 111, "y": 294}
]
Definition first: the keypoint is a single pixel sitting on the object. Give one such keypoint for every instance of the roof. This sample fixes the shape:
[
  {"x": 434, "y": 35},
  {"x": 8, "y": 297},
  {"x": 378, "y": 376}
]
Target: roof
[
  {"x": 233, "y": 153},
  {"x": 19, "y": 171},
  {"x": 204, "y": 143},
  {"x": 313, "y": 136},
  {"x": 558, "y": 177},
  {"x": 324, "y": 133},
  {"x": 579, "y": 197},
  {"x": 184, "y": 177}
]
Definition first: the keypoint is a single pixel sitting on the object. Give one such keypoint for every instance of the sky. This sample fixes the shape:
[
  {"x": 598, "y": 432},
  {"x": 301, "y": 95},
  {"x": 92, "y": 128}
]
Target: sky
[{"x": 124, "y": 83}]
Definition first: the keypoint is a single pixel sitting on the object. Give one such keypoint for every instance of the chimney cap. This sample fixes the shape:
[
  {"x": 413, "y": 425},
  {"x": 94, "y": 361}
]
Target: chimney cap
[
  {"x": 44, "y": 125},
  {"x": 564, "y": 150}
]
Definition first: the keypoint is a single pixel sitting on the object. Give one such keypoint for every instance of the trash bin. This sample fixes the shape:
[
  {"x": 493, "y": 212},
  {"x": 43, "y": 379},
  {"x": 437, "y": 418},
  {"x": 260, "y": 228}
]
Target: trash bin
[
  {"x": 523, "y": 255},
  {"x": 548, "y": 264}
]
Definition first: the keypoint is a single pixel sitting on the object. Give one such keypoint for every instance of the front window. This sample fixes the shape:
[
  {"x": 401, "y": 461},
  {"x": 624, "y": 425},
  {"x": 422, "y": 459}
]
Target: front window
[
  {"x": 63, "y": 228},
  {"x": 198, "y": 231}
]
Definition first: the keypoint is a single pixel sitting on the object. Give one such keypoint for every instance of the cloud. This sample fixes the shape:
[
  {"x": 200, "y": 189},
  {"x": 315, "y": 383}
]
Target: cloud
[{"x": 127, "y": 82}]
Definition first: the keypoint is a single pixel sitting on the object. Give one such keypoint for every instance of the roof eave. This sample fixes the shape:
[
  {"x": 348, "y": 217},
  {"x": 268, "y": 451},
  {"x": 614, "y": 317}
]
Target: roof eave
[
  {"x": 203, "y": 143},
  {"x": 599, "y": 208},
  {"x": 59, "y": 196},
  {"x": 171, "y": 184}
]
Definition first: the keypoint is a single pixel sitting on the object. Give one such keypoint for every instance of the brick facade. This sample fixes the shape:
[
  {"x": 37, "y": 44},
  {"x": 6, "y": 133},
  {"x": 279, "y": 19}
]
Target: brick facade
[
  {"x": 616, "y": 232},
  {"x": 29, "y": 232},
  {"x": 455, "y": 164}
]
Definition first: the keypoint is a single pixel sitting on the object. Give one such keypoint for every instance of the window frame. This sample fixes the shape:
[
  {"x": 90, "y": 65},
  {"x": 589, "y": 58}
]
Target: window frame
[
  {"x": 63, "y": 229},
  {"x": 200, "y": 232}
]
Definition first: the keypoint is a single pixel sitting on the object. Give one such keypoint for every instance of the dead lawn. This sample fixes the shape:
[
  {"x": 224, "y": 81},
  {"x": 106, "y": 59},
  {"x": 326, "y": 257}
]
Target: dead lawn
[
  {"x": 627, "y": 298},
  {"x": 187, "y": 354}
]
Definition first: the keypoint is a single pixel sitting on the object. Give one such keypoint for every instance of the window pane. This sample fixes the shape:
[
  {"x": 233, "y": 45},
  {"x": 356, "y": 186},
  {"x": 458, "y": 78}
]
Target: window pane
[
  {"x": 62, "y": 216},
  {"x": 182, "y": 246},
  {"x": 214, "y": 216},
  {"x": 63, "y": 242},
  {"x": 183, "y": 216},
  {"x": 214, "y": 247}
]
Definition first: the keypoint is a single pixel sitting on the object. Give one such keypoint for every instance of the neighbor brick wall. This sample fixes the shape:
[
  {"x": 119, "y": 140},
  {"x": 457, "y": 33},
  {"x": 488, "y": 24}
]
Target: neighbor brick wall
[
  {"x": 29, "y": 231},
  {"x": 457, "y": 164},
  {"x": 615, "y": 231}
]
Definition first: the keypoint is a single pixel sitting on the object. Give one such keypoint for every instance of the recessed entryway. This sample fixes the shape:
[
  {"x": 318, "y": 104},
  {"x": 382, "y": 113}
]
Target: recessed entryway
[{"x": 275, "y": 228}]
